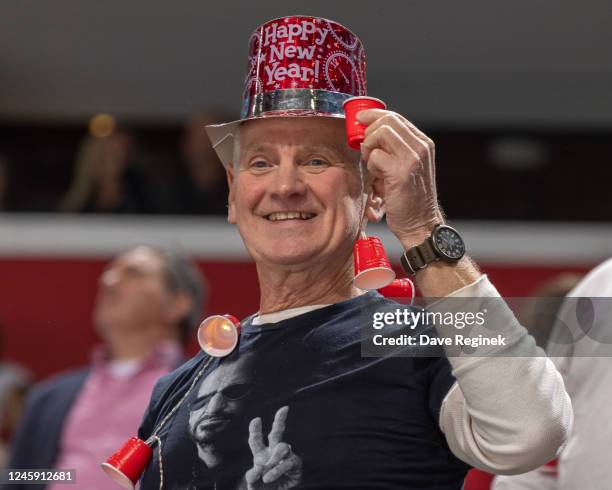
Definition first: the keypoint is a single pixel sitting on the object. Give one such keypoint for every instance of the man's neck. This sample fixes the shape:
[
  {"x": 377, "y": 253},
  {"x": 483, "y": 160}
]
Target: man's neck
[
  {"x": 283, "y": 288},
  {"x": 136, "y": 345}
]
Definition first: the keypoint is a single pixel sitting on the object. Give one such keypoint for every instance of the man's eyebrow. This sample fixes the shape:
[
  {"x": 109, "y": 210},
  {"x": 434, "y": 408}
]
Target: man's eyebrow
[
  {"x": 307, "y": 148},
  {"x": 205, "y": 396},
  {"x": 257, "y": 147}
]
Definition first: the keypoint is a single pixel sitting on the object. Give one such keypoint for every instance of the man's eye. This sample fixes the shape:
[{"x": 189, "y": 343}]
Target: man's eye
[
  {"x": 133, "y": 272},
  {"x": 260, "y": 164},
  {"x": 201, "y": 402},
  {"x": 317, "y": 163},
  {"x": 237, "y": 391}
]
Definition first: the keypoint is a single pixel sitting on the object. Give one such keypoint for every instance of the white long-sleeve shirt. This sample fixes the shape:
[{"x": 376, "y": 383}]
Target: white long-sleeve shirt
[{"x": 508, "y": 412}]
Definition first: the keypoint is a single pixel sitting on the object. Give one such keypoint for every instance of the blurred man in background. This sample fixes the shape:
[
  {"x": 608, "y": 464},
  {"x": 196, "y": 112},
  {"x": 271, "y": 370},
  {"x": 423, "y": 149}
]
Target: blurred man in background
[{"x": 148, "y": 300}]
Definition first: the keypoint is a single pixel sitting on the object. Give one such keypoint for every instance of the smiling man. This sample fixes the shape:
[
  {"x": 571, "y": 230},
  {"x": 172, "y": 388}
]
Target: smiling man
[{"x": 300, "y": 198}]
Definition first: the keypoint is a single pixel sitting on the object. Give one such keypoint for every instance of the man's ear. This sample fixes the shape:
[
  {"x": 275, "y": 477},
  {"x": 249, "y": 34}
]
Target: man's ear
[
  {"x": 231, "y": 209},
  {"x": 375, "y": 205},
  {"x": 181, "y": 304}
]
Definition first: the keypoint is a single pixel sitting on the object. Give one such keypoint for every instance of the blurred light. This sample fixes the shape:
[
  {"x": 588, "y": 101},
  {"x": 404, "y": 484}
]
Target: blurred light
[
  {"x": 517, "y": 153},
  {"x": 102, "y": 125}
]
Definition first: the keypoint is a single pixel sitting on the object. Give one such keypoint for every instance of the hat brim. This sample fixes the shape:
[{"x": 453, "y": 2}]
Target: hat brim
[{"x": 222, "y": 135}]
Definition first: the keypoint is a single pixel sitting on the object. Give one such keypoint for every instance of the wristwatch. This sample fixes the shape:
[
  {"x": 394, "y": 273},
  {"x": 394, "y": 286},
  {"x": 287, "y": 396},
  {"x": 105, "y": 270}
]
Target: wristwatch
[{"x": 444, "y": 244}]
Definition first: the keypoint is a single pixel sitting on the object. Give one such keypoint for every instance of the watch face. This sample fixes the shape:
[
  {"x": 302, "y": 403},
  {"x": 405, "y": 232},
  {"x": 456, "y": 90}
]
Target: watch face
[{"x": 449, "y": 243}]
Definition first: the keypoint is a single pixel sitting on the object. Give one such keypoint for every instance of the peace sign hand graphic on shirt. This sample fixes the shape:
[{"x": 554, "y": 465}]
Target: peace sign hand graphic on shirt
[{"x": 275, "y": 467}]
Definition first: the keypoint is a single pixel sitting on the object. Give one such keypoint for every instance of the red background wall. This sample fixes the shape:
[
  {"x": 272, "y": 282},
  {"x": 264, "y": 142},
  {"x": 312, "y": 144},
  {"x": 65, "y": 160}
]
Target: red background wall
[{"x": 46, "y": 304}]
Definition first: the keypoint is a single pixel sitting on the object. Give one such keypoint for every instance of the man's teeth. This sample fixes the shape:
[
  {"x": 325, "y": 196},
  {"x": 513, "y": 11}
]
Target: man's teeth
[{"x": 289, "y": 215}]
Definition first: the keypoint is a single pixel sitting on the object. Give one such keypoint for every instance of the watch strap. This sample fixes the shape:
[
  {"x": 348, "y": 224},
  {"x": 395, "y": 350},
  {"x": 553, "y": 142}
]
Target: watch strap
[{"x": 417, "y": 258}]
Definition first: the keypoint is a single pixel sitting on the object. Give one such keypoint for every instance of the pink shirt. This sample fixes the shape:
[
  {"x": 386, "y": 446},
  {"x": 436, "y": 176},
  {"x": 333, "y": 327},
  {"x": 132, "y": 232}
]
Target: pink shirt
[{"x": 107, "y": 412}]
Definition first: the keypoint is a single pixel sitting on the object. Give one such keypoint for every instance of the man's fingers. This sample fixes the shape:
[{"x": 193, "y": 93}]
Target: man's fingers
[
  {"x": 253, "y": 475},
  {"x": 385, "y": 150},
  {"x": 256, "y": 442},
  {"x": 280, "y": 451},
  {"x": 386, "y": 138},
  {"x": 407, "y": 132},
  {"x": 368, "y": 116},
  {"x": 379, "y": 164},
  {"x": 421, "y": 137},
  {"x": 287, "y": 465},
  {"x": 376, "y": 167},
  {"x": 278, "y": 426},
  {"x": 387, "y": 118}
]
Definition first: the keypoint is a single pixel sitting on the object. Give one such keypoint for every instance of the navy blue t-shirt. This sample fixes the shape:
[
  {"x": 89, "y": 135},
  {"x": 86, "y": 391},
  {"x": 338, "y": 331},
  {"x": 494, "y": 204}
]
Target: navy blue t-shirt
[{"x": 342, "y": 420}]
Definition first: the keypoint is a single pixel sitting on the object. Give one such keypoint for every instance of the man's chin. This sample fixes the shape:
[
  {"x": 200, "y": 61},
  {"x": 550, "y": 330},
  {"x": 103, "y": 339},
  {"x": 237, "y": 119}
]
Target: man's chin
[
  {"x": 210, "y": 457},
  {"x": 292, "y": 257}
]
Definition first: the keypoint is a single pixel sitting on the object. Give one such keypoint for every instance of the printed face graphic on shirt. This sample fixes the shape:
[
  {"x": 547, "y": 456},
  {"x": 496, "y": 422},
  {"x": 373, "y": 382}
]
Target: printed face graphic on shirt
[{"x": 218, "y": 406}]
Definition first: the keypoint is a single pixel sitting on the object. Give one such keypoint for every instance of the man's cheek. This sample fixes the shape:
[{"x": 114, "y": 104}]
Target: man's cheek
[{"x": 232, "y": 407}]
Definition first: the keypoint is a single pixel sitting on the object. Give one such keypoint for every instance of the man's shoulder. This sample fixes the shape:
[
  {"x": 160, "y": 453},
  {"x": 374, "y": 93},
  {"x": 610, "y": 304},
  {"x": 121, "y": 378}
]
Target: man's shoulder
[
  {"x": 395, "y": 311},
  {"x": 377, "y": 300},
  {"x": 168, "y": 391},
  {"x": 55, "y": 395},
  {"x": 367, "y": 304},
  {"x": 178, "y": 378},
  {"x": 60, "y": 383}
]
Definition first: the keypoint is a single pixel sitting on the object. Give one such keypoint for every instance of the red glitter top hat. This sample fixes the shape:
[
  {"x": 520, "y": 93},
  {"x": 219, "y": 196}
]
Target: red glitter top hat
[{"x": 298, "y": 66}]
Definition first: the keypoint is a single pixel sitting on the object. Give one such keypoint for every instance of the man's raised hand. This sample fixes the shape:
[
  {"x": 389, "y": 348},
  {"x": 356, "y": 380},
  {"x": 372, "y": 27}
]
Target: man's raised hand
[
  {"x": 275, "y": 467},
  {"x": 401, "y": 158}
]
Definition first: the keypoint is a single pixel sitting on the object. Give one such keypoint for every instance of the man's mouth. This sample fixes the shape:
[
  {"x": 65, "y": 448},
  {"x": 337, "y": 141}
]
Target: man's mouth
[
  {"x": 209, "y": 424},
  {"x": 289, "y": 215}
]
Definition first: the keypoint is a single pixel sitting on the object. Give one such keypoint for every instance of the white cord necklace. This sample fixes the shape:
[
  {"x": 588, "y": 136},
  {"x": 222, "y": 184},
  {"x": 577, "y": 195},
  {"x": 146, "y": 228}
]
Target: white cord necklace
[{"x": 155, "y": 438}]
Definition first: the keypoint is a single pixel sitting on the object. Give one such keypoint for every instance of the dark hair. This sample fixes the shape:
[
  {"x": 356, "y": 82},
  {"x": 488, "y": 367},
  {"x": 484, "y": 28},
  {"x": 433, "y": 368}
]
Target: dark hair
[{"x": 182, "y": 275}]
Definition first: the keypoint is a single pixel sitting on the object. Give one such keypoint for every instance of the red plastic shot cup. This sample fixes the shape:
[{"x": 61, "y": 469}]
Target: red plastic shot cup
[
  {"x": 355, "y": 131},
  {"x": 218, "y": 335},
  {"x": 372, "y": 267},
  {"x": 126, "y": 466},
  {"x": 400, "y": 290},
  {"x": 552, "y": 467}
]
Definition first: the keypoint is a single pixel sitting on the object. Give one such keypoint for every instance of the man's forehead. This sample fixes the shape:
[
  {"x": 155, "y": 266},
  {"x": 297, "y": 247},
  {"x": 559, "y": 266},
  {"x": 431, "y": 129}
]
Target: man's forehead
[
  {"x": 262, "y": 146},
  {"x": 314, "y": 133},
  {"x": 143, "y": 257},
  {"x": 225, "y": 374}
]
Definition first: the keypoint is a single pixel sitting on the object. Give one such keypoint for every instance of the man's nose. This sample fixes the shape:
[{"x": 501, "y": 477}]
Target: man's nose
[
  {"x": 289, "y": 180},
  {"x": 216, "y": 404}
]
